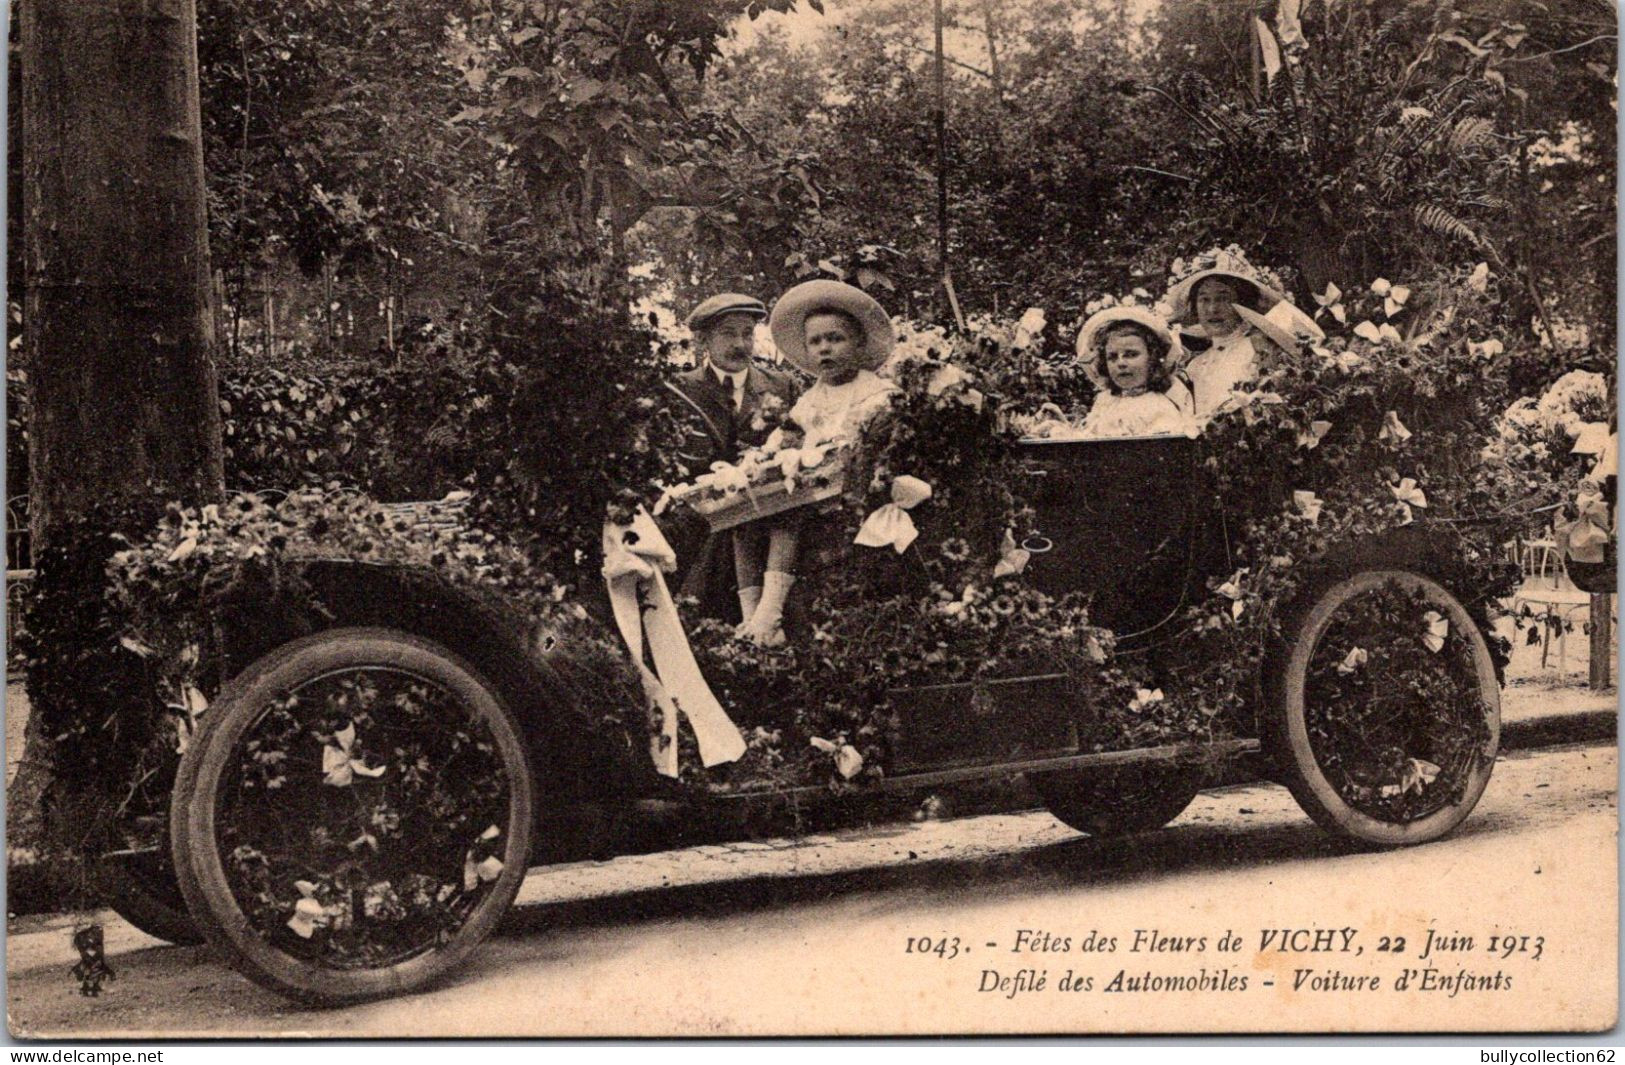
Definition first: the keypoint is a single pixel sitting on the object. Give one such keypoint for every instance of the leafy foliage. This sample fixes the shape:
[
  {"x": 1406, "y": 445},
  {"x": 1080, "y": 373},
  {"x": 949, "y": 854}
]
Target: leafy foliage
[
  {"x": 870, "y": 624},
  {"x": 590, "y": 104},
  {"x": 362, "y": 819},
  {"x": 1398, "y": 739},
  {"x": 1360, "y": 442}
]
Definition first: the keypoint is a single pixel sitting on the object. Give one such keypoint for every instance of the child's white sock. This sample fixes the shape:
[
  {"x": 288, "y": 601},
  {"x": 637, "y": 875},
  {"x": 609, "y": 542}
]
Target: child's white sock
[{"x": 766, "y": 624}]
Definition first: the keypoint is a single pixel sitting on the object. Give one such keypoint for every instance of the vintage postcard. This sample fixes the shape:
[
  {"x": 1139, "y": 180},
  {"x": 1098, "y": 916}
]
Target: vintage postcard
[{"x": 582, "y": 518}]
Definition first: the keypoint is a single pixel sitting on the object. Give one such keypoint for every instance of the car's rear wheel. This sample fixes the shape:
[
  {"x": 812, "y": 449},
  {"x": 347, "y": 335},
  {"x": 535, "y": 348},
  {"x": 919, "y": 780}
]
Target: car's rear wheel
[
  {"x": 1386, "y": 715},
  {"x": 1116, "y": 802},
  {"x": 353, "y": 816}
]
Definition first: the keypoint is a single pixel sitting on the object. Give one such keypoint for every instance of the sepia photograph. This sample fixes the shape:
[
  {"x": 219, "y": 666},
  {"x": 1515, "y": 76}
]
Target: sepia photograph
[{"x": 811, "y": 518}]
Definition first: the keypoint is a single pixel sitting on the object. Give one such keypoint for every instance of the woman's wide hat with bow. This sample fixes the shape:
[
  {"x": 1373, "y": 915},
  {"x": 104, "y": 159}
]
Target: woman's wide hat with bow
[
  {"x": 1284, "y": 324},
  {"x": 1256, "y": 286},
  {"x": 789, "y": 319}
]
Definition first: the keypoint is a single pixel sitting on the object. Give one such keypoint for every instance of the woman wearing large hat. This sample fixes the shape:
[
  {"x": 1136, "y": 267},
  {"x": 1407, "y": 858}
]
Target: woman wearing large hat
[{"x": 1220, "y": 299}]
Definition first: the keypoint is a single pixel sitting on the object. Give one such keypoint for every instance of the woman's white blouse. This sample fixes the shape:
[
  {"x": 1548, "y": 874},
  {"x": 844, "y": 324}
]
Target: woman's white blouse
[
  {"x": 1232, "y": 361},
  {"x": 831, "y": 413},
  {"x": 1148, "y": 414}
]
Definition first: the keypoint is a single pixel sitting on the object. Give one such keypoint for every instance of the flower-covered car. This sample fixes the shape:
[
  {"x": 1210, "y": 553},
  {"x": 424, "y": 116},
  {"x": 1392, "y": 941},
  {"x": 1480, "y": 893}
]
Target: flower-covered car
[{"x": 1305, "y": 592}]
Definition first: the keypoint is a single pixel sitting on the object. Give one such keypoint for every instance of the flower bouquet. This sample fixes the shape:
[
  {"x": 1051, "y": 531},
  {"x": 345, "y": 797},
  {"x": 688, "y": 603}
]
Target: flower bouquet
[{"x": 763, "y": 483}]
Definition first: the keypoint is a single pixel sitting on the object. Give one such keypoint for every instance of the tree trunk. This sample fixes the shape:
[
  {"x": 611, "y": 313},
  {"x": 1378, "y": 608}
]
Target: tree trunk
[
  {"x": 117, "y": 267},
  {"x": 1602, "y": 640}
]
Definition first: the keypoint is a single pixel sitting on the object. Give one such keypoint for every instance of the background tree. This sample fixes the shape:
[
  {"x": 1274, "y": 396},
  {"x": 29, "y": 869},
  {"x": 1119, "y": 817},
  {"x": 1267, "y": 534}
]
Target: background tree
[
  {"x": 116, "y": 261},
  {"x": 124, "y": 413}
]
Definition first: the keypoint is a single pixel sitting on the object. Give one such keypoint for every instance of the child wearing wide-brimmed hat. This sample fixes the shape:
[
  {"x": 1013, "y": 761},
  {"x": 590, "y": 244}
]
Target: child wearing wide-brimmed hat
[
  {"x": 1129, "y": 355},
  {"x": 840, "y": 335}
]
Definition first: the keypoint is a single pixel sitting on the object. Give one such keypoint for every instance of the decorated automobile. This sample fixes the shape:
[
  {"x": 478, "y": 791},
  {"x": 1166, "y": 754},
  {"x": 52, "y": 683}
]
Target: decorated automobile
[{"x": 387, "y": 720}]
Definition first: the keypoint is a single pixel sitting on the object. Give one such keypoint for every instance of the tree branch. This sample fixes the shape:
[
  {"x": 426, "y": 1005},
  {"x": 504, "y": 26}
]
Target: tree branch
[
  {"x": 1559, "y": 51},
  {"x": 955, "y": 62}
]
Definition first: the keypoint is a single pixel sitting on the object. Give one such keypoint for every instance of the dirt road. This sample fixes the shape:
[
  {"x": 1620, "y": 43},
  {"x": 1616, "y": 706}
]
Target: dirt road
[{"x": 811, "y": 936}]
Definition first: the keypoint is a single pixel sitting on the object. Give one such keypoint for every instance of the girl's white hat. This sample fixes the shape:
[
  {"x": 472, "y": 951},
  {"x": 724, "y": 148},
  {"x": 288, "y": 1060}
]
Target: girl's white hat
[
  {"x": 1097, "y": 324},
  {"x": 1229, "y": 263},
  {"x": 790, "y": 315}
]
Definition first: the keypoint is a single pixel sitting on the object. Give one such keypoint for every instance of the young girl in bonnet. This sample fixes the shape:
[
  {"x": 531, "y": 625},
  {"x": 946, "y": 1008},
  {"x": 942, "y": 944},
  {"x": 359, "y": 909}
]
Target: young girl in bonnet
[
  {"x": 1129, "y": 355},
  {"x": 840, "y": 335}
]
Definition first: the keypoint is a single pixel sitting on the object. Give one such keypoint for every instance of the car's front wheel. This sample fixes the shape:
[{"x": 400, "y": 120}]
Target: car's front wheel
[{"x": 353, "y": 816}]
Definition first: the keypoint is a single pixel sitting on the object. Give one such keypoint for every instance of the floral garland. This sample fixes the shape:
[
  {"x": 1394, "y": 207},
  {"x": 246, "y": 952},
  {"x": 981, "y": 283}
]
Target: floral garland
[
  {"x": 950, "y": 607},
  {"x": 1375, "y": 436},
  {"x": 1378, "y": 429},
  {"x": 169, "y": 589},
  {"x": 1388, "y": 430},
  {"x": 1379, "y": 432}
]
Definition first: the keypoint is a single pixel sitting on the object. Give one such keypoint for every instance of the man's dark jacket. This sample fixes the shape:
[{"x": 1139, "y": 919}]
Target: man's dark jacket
[{"x": 714, "y": 431}]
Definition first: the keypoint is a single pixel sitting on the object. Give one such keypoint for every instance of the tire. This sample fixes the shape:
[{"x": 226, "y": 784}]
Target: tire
[
  {"x": 140, "y": 886},
  {"x": 1319, "y": 770},
  {"x": 1106, "y": 803},
  {"x": 225, "y": 813}
]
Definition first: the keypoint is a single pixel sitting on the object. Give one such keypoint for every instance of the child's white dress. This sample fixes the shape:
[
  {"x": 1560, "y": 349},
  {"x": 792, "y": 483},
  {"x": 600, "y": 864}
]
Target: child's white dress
[
  {"x": 1147, "y": 414},
  {"x": 834, "y": 413}
]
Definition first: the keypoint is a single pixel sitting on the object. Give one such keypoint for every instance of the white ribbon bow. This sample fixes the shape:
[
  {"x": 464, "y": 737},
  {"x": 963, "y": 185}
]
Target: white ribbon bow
[
  {"x": 636, "y": 558},
  {"x": 1145, "y": 697},
  {"x": 1310, "y": 438},
  {"x": 1377, "y": 334},
  {"x": 1331, "y": 301},
  {"x": 1012, "y": 559},
  {"x": 1408, "y": 495},
  {"x": 1231, "y": 590},
  {"x": 1393, "y": 430},
  {"x": 890, "y": 524},
  {"x": 848, "y": 761},
  {"x": 1589, "y": 534},
  {"x": 340, "y": 766},
  {"x": 1438, "y": 628},
  {"x": 1393, "y": 296}
]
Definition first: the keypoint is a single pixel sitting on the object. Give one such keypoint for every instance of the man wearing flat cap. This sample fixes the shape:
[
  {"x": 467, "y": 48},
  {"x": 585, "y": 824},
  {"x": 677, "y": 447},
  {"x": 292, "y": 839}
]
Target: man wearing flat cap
[
  {"x": 725, "y": 393},
  {"x": 724, "y": 397}
]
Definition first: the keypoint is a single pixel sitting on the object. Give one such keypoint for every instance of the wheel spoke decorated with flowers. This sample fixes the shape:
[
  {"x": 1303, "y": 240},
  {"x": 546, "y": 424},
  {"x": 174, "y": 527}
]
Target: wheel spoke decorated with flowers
[
  {"x": 355, "y": 818},
  {"x": 1388, "y": 720}
]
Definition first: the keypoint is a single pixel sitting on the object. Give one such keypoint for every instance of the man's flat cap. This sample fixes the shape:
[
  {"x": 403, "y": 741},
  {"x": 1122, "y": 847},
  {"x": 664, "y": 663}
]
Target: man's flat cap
[{"x": 726, "y": 303}]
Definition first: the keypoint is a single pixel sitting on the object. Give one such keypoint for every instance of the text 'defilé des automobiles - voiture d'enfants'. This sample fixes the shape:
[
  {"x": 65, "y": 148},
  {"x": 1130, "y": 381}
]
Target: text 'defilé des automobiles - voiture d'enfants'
[{"x": 1302, "y": 961}]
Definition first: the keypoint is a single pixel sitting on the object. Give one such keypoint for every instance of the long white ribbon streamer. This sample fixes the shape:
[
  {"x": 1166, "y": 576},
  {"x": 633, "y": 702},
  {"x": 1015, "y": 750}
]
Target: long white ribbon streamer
[{"x": 634, "y": 557}]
